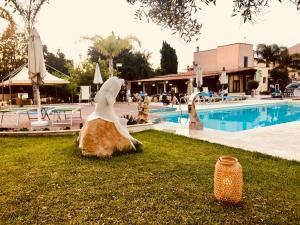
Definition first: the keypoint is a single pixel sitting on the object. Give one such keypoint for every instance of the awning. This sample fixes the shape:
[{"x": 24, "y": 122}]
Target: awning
[
  {"x": 22, "y": 78},
  {"x": 191, "y": 74}
]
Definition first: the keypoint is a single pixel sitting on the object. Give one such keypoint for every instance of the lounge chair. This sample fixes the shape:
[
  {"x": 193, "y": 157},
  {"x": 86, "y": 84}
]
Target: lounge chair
[
  {"x": 276, "y": 94},
  {"x": 204, "y": 96},
  {"x": 233, "y": 97}
]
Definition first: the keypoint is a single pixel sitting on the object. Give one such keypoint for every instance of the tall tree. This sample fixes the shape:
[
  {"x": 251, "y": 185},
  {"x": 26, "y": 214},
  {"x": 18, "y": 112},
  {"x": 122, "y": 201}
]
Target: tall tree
[
  {"x": 14, "y": 43},
  {"x": 180, "y": 15},
  {"x": 112, "y": 46},
  {"x": 58, "y": 61},
  {"x": 284, "y": 63},
  {"x": 12, "y": 46},
  {"x": 288, "y": 61},
  {"x": 135, "y": 65},
  {"x": 13, "y": 53},
  {"x": 267, "y": 53},
  {"x": 83, "y": 74},
  {"x": 168, "y": 60}
]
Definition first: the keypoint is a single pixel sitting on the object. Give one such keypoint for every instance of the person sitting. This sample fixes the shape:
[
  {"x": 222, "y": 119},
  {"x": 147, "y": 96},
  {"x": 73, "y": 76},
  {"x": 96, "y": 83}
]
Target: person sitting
[{"x": 165, "y": 98}]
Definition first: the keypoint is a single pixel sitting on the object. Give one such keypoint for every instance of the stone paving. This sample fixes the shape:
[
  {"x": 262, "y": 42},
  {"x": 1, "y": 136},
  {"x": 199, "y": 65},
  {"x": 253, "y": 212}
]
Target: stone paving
[{"x": 9, "y": 121}]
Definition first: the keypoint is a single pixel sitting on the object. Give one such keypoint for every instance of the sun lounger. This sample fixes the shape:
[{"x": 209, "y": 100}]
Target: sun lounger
[
  {"x": 232, "y": 97},
  {"x": 65, "y": 114},
  {"x": 204, "y": 96}
]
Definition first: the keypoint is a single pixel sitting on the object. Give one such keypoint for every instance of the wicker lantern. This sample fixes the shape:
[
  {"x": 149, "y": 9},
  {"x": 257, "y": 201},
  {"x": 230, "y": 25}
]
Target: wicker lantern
[{"x": 228, "y": 180}]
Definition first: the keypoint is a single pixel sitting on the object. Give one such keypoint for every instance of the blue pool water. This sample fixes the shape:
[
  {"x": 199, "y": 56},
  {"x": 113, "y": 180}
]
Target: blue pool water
[{"x": 242, "y": 118}]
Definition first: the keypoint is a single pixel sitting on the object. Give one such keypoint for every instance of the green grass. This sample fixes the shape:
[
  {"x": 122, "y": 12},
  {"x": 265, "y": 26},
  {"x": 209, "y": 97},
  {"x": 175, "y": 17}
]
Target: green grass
[{"x": 45, "y": 180}]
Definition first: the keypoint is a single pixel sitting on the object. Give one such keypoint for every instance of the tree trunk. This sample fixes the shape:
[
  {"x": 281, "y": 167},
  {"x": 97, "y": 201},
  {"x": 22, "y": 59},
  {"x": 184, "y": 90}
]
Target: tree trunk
[{"x": 110, "y": 67}]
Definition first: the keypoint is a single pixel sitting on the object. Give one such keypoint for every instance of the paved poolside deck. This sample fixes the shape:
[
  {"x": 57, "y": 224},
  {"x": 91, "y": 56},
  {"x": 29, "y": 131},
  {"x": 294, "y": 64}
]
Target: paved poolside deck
[
  {"x": 9, "y": 121},
  {"x": 278, "y": 140}
]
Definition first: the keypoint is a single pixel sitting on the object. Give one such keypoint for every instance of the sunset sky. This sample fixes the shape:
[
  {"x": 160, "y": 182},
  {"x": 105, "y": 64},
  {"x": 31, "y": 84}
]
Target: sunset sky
[{"x": 62, "y": 22}]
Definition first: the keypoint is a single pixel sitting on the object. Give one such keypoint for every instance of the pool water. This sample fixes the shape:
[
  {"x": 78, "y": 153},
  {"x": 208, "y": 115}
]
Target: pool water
[{"x": 242, "y": 118}]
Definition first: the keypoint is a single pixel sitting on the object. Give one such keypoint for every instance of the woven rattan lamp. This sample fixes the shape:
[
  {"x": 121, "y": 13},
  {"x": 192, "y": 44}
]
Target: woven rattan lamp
[{"x": 228, "y": 180}]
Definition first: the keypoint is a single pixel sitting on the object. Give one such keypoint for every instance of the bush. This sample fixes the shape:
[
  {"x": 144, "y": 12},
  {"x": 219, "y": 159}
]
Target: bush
[
  {"x": 219, "y": 86},
  {"x": 24, "y": 129},
  {"x": 265, "y": 92},
  {"x": 252, "y": 84},
  {"x": 131, "y": 119}
]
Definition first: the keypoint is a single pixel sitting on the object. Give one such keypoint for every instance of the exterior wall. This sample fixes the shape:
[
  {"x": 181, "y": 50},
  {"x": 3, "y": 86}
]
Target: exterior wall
[
  {"x": 295, "y": 49},
  {"x": 206, "y": 59},
  {"x": 294, "y": 75},
  {"x": 237, "y": 83},
  {"x": 245, "y": 50},
  {"x": 262, "y": 76},
  {"x": 229, "y": 56}
]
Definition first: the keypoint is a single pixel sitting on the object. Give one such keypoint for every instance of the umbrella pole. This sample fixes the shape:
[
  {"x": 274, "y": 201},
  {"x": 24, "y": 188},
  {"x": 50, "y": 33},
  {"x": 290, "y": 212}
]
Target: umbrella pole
[
  {"x": 39, "y": 122},
  {"x": 38, "y": 103}
]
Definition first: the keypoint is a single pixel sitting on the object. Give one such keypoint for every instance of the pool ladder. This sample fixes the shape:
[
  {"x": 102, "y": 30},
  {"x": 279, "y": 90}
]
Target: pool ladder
[{"x": 182, "y": 98}]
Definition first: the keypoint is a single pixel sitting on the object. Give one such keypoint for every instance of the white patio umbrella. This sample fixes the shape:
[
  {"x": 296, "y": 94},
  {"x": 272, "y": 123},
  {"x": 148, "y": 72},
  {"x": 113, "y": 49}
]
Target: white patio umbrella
[
  {"x": 36, "y": 70},
  {"x": 97, "y": 77},
  {"x": 199, "y": 77},
  {"x": 223, "y": 78}
]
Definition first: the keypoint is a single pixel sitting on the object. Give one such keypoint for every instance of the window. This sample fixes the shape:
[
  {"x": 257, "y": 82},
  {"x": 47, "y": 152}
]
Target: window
[
  {"x": 264, "y": 80},
  {"x": 245, "y": 61},
  {"x": 236, "y": 86}
]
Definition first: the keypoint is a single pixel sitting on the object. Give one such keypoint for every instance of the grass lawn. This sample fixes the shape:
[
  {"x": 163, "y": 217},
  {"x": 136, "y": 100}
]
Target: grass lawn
[{"x": 45, "y": 180}]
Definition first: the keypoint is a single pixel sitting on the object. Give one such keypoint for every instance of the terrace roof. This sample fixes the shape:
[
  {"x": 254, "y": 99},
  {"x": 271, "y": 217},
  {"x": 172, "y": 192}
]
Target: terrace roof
[{"x": 191, "y": 74}]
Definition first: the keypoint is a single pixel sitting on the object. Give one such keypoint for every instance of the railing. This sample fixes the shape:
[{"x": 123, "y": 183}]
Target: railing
[{"x": 180, "y": 104}]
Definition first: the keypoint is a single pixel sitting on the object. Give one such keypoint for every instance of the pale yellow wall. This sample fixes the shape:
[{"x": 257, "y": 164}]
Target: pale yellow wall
[{"x": 264, "y": 73}]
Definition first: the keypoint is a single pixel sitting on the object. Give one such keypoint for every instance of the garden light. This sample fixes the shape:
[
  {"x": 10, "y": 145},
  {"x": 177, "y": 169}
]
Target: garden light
[{"x": 228, "y": 180}]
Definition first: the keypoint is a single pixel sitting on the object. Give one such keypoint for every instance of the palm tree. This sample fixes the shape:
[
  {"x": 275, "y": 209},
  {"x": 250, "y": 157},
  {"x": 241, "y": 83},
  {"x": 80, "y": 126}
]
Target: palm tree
[
  {"x": 112, "y": 46},
  {"x": 267, "y": 53},
  {"x": 288, "y": 61}
]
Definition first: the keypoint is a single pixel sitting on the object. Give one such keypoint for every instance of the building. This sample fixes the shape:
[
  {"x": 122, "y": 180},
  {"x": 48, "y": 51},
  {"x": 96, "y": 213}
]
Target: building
[
  {"x": 262, "y": 75},
  {"x": 237, "y": 60},
  {"x": 294, "y": 74}
]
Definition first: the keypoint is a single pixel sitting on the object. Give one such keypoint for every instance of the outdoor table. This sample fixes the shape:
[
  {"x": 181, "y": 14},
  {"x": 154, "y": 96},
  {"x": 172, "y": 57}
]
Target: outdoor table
[
  {"x": 18, "y": 111},
  {"x": 65, "y": 111}
]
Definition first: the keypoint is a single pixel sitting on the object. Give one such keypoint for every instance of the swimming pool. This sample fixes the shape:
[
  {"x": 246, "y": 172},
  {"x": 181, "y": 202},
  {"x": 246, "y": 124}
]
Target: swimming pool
[{"x": 242, "y": 118}]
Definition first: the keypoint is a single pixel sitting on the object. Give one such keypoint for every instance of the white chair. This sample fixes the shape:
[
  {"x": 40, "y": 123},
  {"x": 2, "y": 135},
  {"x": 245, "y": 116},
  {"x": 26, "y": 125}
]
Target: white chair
[{"x": 85, "y": 94}]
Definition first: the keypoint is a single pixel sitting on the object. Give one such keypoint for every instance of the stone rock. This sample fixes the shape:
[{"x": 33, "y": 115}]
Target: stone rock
[
  {"x": 104, "y": 132},
  {"x": 101, "y": 138}
]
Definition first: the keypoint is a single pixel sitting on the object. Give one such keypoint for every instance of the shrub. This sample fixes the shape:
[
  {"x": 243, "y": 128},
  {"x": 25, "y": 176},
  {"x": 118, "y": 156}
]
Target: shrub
[
  {"x": 131, "y": 119},
  {"x": 252, "y": 84},
  {"x": 219, "y": 86},
  {"x": 265, "y": 92}
]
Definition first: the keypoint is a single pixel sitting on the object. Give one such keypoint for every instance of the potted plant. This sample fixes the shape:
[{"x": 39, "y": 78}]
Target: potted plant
[{"x": 251, "y": 86}]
